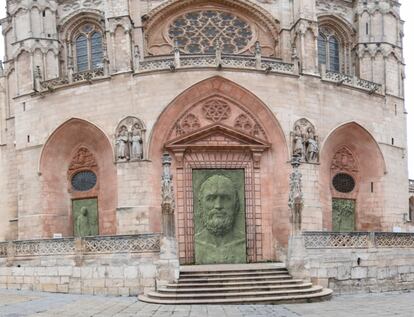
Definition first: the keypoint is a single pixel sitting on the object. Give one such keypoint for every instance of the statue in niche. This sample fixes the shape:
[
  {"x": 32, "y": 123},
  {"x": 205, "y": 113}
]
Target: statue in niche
[
  {"x": 122, "y": 144},
  {"x": 130, "y": 136},
  {"x": 83, "y": 227},
  {"x": 304, "y": 142},
  {"x": 136, "y": 143},
  {"x": 312, "y": 147},
  {"x": 298, "y": 142},
  {"x": 217, "y": 238}
]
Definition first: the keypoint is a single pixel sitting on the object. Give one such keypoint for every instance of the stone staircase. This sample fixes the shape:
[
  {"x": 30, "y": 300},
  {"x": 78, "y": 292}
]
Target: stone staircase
[{"x": 236, "y": 284}]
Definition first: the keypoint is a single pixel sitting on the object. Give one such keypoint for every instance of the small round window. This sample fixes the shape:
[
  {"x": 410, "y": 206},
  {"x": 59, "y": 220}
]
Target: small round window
[
  {"x": 84, "y": 181},
  {"x": 343, "y": 183}
]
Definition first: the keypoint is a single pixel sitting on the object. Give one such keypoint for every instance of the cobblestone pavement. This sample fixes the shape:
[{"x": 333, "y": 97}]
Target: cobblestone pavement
[{"x": 22, "y": 303}]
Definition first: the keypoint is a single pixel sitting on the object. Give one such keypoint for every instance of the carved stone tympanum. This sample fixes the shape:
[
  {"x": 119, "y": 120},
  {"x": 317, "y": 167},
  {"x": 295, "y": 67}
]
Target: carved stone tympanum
[{"x": 129, "y": 140}]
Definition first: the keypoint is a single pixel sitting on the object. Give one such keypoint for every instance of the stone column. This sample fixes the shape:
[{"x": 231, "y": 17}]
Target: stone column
[
  {"x": 168, "y": 266},
  {"x": 296, "y": 257}
]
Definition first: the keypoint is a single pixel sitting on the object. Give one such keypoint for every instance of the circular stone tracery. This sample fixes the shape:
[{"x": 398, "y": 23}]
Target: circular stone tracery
[
  {"x": 200, "y": 32},
  {"x": 343, "y": 183},
  {"x": 84, "y": 181}
]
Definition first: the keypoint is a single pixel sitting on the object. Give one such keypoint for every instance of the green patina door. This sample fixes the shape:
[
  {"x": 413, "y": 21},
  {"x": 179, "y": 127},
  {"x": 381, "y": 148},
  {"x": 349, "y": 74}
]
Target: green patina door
[
  {"x": 85, "y": 217},
  {"x": 219, "y": 216},
  {"x": 343, "y": 215}
]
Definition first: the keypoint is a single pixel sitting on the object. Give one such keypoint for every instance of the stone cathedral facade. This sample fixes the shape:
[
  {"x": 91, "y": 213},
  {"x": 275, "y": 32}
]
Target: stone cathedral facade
[{"x": 125, "y": 117}]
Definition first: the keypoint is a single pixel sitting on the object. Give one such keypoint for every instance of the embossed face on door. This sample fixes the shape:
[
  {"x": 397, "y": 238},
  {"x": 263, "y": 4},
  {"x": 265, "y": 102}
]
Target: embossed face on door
[{"x": 219, "y": 216}]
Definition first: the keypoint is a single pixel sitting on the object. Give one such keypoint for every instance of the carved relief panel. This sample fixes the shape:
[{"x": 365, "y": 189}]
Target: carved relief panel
[
  {"x": 305, "y": 142},
  {"x": 130, "y": 140}
]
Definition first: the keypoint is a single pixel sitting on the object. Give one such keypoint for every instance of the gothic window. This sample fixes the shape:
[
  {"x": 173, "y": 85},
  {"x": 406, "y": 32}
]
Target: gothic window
[
  {"x": 88, "y": 47},
  {"x": 200, "y": 32},
  {"x": 329, "y": 50}
]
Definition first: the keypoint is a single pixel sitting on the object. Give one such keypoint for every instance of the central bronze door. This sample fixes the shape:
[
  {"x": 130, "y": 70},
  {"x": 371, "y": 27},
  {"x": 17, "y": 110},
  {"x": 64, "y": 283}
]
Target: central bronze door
[{"x": 219, "y": 216}]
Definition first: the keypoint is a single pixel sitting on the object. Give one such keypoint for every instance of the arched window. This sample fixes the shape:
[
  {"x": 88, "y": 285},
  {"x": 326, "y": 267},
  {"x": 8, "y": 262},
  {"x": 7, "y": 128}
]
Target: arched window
[
  {"x": 329, "y": 51},
  {"x": 88, "y": 48}
]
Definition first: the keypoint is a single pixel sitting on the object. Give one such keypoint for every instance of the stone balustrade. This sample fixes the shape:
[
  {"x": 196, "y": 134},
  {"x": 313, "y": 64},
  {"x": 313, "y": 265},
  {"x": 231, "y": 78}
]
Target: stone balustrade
[
  {"x": 88, "y": 245},
  {"x": 351, "y": 81},
  {"x": 357, "y": 240}
]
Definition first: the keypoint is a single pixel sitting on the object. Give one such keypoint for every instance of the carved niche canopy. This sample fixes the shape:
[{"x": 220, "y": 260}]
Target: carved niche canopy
[
  {"x": 130, "y": 140},
  {"x": 217, "y": 124}
]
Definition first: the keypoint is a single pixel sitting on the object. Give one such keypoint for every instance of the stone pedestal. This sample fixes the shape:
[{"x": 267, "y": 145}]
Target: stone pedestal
[
  {"x": 168, "y": 266},
  {"x": 296, "y": 258}
]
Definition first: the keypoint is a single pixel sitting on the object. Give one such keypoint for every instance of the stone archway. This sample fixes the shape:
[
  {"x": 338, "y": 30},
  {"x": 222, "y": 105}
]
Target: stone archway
[
  {"x": 74, "y": 147},
  {"x": 219, "y": 125},
  {"x": 352, "y": 152}
]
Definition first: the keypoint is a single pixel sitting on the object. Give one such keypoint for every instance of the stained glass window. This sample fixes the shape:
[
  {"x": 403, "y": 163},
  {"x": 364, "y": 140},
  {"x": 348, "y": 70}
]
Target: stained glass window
[
  {"x": 200, "y": 32},
  {"x": 82, "y": 53},
  {"x": 96, "y": 50},
  {"x": 88, "y": 48},
  {"x": 333, "y": 54},
  {"x": 328, "y": 51}
]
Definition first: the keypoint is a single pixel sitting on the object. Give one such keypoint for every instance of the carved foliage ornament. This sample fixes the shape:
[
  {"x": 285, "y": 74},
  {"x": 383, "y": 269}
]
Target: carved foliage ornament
[{"x": 243, "y": 123}]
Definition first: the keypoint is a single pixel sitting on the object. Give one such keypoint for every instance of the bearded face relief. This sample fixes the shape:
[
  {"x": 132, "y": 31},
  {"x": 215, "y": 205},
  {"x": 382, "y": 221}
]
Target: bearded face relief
[
  {"x": 219, "y": 204},
  {"x": 219, "y": 213}
]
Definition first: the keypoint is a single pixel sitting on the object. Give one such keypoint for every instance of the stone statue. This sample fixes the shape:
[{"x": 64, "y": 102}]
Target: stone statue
[
  {"x": 218, "y": 241},
  {"x": 167, "y": 189},
  {"x": 312, "y": 147},
  {"x": 296, "y": 196},
  {"x": 298, "y": 149},
  {"x": 83, "y": 227},
  {"x": 122, "y": 144},
  {"x": 136, "y": 143}
]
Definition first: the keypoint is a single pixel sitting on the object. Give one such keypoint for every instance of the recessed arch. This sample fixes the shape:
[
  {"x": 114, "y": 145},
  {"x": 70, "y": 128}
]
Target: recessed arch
[
  {"x": 55, "y": 159},
  {"x": 267, "y": 152},
  {"x": 371, "y": 170}
]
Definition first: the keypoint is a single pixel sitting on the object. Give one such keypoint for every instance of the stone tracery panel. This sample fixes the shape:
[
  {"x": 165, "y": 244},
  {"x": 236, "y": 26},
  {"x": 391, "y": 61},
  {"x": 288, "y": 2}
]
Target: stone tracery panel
[{"x": 217, "y": 109}]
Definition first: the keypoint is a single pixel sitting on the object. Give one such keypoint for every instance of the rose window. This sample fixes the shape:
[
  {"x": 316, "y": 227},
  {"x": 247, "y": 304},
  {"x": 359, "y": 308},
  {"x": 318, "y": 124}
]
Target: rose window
[{"x": 200, "y": 32}]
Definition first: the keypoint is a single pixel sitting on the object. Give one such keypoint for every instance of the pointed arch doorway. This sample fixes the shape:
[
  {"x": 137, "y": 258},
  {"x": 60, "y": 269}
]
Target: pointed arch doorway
[{"x": 221, "y": 139}]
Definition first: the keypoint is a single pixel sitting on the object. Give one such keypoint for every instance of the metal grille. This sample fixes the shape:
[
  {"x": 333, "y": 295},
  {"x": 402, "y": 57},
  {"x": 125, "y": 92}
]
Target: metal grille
[
  {"x": 343, "y": 183},
  {"x": 84, "y": 181}
]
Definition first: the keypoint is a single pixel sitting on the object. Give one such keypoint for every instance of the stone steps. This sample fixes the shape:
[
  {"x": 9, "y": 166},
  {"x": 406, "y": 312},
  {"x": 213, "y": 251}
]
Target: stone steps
[{"x": 232, "y": 284}]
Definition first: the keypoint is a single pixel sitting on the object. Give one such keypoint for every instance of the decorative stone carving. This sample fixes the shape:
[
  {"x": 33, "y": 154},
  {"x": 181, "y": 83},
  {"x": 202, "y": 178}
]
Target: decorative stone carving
[
  {"x": 243, "y": 123},
  {"x": 129, "y": 140},
  {"x": 189, "y": 124},
  {"x": 305, "y": 143},
  {"x": 83, "y": 159},
  {"x": 220, "y": 235},
  {"x": 167, "y": 189},
  {"x": 296, "y": 196},
  {"x": 344, "y": 161},
  {"x": 216, "y": 110}
]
